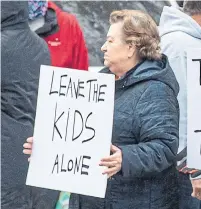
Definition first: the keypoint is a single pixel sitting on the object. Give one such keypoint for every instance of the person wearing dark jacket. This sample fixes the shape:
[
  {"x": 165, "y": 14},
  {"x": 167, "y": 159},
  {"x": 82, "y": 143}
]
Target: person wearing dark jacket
[
  {"x": 141, "y": 168},
  {"x": 22, "y": 54}
]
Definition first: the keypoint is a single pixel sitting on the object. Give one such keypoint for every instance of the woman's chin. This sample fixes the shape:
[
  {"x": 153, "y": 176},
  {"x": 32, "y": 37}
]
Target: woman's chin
[{"x": 106, "y": 63}]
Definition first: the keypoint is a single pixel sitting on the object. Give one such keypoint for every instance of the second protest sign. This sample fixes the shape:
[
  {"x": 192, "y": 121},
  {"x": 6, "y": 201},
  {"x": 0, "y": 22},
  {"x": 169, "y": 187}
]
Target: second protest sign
[{"x": 194, "y": 108}]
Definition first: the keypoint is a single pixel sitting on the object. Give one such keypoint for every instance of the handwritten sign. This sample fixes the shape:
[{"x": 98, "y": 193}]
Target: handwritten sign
[
  {"x": 73, "y": 131},
  {"x": 194, "y": 108}
]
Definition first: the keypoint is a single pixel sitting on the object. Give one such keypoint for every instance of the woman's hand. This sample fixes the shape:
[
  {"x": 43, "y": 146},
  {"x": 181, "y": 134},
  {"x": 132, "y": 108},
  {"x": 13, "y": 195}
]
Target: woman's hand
[
  {"x": 28, "y": 147},
  {"x": 113, "y": 162}
]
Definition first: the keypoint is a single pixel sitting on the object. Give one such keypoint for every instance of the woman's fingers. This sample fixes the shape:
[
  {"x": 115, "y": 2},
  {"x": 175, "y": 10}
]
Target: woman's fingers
[
  {"x": 111, "y": 170},
  {"x": 27, "y": 145},
  {"x": 116, "y": 156},
  {"x": 27, "y": 151},
  {"x": 27, "y": 148},
  {"x": 110, "y": 158},
  {"x": 30, "y": 139},
  {"x": 114, "y": 149},
  {"x": 109, "y": 164},
  {"x": 111, "y": 174}
]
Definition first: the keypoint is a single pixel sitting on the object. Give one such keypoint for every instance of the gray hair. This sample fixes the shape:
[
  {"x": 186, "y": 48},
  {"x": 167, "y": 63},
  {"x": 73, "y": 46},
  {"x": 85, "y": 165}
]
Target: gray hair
[{"x": 192, "y": 7}]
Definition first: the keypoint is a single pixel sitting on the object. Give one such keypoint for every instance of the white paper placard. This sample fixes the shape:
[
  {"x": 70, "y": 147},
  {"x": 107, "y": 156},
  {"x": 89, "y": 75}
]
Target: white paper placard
[
  {"x": 194, "y": 108},
  {"x": 73, "y": 131}
]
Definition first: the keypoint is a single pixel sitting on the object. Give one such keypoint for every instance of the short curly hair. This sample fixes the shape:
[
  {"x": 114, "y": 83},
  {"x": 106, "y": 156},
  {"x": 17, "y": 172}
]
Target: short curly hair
[{"x": 141, "y": 30}]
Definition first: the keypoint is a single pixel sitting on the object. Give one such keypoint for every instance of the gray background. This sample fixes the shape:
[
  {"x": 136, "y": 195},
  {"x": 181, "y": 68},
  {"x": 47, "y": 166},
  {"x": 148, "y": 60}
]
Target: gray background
[{"x": 93, "y": 18}]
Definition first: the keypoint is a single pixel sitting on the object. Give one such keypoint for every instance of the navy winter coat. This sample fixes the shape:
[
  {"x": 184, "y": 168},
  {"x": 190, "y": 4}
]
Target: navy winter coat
[{"x": 146, "y": 128}]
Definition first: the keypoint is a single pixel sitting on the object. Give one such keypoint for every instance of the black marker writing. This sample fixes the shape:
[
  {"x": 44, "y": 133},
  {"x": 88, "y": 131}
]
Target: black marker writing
[
  {"x": 90, "y": 81},
  {"x": 101, "y": 92},
  {"x": 62, "y": 86},
  {"x": 84, "y": 165},
  {"x": 89, "y": 128},
  {"x": 52, "y": 92},
  {"x": 75, "y": 165},
  {"x": 70, "y": 87},
  {"x": 55, "y": 125},
  {"x": 56, "y": 163},
  {"x": 76, "y": 113},
  {"x": 198, "y": 60}
]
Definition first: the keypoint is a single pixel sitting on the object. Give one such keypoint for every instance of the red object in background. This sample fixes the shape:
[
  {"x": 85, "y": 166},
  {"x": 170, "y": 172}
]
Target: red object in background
[{"x": 67, "y": 46}]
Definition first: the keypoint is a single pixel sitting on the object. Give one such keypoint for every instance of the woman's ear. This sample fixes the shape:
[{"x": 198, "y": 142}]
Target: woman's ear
[{"x": 131, "y": 49}]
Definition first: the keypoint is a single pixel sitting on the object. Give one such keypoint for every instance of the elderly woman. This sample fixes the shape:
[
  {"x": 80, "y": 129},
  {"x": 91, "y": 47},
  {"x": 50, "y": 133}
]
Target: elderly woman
[{"x": 141, "y": 167}]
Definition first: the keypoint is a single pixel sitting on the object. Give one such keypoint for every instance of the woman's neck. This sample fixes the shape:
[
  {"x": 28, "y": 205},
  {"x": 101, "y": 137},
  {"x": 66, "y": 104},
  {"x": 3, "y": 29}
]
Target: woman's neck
[{"x": 125, "y": 68}]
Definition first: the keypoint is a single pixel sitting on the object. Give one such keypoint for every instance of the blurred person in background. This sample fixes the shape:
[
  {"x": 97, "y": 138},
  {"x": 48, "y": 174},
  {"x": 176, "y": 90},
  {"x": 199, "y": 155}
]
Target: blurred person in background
[
  {"x": 180, "y": 30},
  {"x": 22, "y": 53}
]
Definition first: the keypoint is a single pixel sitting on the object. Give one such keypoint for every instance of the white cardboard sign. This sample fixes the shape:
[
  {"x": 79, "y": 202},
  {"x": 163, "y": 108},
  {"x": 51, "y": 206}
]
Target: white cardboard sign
[
  {"x": 194, "y": 108},
  {"x": 73, "y": 131}
]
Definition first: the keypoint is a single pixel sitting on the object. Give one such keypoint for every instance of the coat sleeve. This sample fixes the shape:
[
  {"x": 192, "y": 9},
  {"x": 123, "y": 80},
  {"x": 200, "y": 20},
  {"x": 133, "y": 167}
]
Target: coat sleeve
[
  {"x": 80, "y": 52},
  {"x": 158, "y": 119},
  {"x": 196, "y": 175}
]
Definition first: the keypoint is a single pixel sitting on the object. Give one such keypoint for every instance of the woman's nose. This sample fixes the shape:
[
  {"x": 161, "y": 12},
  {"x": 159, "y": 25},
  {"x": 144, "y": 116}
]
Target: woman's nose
[{"x": 103, "y": 48}]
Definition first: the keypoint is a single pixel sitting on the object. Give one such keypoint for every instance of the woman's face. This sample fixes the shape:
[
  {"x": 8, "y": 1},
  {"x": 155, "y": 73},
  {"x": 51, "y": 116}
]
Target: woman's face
[{"x": 116, "y": 51}]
